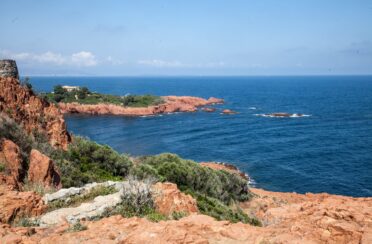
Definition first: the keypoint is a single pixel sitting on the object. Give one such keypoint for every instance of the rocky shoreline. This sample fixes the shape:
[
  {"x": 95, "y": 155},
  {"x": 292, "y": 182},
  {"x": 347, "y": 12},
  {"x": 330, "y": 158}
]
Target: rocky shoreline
[
  {"x": 282, "y": 217},
  {"x": 172, "y": 104}
]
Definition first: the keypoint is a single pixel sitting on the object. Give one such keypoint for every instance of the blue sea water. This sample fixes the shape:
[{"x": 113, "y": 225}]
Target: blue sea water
[{"x": 329, "y": 151}]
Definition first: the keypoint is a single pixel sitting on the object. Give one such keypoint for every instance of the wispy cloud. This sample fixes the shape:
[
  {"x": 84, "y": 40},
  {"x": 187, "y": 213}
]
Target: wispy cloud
[
  {"x": 82, "y": 58},
  {"x": 161, "y": 63},
  {"x": 177, "y": 64}
]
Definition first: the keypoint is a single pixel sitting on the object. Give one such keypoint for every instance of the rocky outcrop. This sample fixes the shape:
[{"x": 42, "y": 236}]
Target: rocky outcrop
[
  {"x": 10, "y": 157},
  {"x": 224, "y": 166},
  {"x": 14, "y": 204},
  {"x": 168, "y": 199},
  {"x": 22, "y": 105},
  {"x": 313, "y": 218},
  {"x": 42, "y": 170},
  {"x": 287, "y": 218},
  {"x": 86, "y": 210},
  {"x": 208, "y": 109},
  {"x": 171, "y": 104},
  {"x": 228, "y": 111}
]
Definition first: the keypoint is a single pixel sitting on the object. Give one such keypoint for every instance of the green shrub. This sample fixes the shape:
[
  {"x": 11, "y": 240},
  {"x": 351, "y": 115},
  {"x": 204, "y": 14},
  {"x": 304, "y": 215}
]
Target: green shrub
[
  {"x": 26, "y": 222},
  {"x": 189, "y": 175},
  {"x": 38, "y": 188},
  {"x": 77, "y": 227},
  {"x": 156, "y": 217},
  {"x": 87, "y": 97},
  {"x": 9, "y": 129},
  {"x": 2, "y": 167},
  {"x": 217, "y": 209},
  {"x": 178, "y": 215},
  {"x": 86, "y": 161},
  {"x": 78, "y": 199}
]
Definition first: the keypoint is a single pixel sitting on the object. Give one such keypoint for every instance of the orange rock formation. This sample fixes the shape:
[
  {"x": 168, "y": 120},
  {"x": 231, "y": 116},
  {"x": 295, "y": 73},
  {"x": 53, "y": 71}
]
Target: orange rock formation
[
  {"x": 32, "y": 112},
  {"x": 42, "y": 170},
  {"x": 172, "y": 104},
  {"x": 169, "y": 199}
]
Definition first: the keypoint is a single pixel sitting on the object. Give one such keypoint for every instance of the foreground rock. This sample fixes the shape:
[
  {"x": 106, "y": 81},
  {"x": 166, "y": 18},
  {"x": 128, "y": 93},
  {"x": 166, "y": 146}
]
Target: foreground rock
[
  {"x": 86, "y": 210},
  {"x": 317, "y": 218},
  {"x": 15, "y": 205},
  {"x": 22, "y": 105},
  {"x": 172, "y": 104},
  {"x": 10, "y": 157},
  {"x": 42, "y": 170},
  {"x": 287, "y": 218},
  {"x": 168, "y": 199}
]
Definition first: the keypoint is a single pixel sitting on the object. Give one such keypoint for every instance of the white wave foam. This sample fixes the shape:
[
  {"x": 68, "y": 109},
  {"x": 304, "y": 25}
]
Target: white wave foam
[
  {"x": 252, "y": 108},
  {"x": 295, "y": 115}
]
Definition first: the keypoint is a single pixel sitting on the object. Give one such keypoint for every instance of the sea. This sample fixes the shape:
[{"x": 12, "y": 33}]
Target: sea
[{"x": 327, "y": 150}]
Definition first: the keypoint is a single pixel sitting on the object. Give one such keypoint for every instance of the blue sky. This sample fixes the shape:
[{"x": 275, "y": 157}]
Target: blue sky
[{"x": 193, "y": 37}]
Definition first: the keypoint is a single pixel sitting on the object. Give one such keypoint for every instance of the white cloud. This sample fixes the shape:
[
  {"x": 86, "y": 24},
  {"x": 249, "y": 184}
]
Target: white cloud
[
  {"x": 161, "y": 63},
  {"x": 113, "y": 61},
  {"x": 49, "y": 57},
  {"x": 177, "y": 64},
  {"x": 82, "y": 58}
]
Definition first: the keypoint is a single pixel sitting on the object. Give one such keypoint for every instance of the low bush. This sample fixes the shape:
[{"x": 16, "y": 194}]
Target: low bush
[
  {"x": 220, "y": 211},
  {"x": 189, "y": 175},
  {"x": 11, "y": 130},
  {"x": 77, "y": 227},
  {"x": 86, "y": 161},
  {"x": 38, "y": 188},
  {"x": 26, "y": 222}
]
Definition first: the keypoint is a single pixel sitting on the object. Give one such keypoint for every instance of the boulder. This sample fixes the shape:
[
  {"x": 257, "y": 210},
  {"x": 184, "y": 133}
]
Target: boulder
[
  {"x": 168, "y": 199},
  {"x": 14, "y": 204},
  {"x": 10, "y": 156},
  {"x": 42, "y": 170}
]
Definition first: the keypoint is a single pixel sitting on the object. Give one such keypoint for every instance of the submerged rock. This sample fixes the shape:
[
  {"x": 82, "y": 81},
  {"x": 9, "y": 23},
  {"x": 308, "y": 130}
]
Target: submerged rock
[
  {"x": 228, "y": 111},
  {"x": 208, "y": 109}
]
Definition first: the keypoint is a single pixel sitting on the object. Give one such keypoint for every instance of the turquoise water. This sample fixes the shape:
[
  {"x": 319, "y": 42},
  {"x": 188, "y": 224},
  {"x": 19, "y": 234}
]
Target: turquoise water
[{"x": 329, "y": 151}]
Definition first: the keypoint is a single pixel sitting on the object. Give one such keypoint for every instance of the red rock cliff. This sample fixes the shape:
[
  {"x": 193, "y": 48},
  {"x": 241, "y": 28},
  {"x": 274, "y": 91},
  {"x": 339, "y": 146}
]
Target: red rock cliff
[{"x": 21, "y": 104}]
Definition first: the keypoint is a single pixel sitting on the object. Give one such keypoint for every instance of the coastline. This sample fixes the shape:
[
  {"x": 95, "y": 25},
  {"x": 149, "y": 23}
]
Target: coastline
[{"x": 172, "y": 104}]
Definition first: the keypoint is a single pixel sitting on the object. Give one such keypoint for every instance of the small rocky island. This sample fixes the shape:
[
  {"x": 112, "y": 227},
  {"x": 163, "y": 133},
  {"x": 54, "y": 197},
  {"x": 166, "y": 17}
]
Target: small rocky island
[{"x": 73, "y": 99}]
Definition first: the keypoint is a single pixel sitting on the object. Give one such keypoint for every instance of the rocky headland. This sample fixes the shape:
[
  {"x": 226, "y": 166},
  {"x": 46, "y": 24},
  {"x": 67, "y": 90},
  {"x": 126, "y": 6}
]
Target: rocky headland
[
  {"x": 171, "y": 104},
  {"x": 182, "y": 205}
]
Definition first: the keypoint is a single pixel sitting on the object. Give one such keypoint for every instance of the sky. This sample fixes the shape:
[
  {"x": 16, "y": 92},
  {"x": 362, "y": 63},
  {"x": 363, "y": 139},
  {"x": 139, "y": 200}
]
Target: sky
[{"x": 193, "y": 37}]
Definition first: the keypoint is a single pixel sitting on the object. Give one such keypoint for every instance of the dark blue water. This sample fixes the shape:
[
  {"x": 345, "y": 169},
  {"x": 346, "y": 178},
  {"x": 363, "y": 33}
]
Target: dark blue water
[{"x": 330, "y": 151}]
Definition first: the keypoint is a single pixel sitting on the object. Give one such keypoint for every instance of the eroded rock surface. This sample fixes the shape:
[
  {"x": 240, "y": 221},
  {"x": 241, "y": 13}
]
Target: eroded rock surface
[
  {"x": 169, "y": 199},
  {"x": 10, "y": 157},
  {"x": 172, "y": 104},
  {"x": 42, "y": 170},
  {"x": 320, "y": 218},
  {"x": 14, "y": 204},
  {"x": 22, "y": 105}
]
